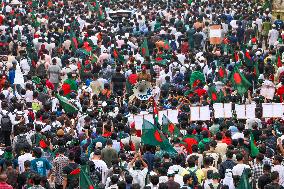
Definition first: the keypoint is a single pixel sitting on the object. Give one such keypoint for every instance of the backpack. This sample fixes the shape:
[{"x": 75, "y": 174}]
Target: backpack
[
  {"x": 6, "y": 124},
  {"x": 195, "y": 179},
  {"x": 95, "y": 173},
  {"x": 21, "y": 143},
  {"x": 40, "y": 70},
  {"x": 73, "y": 179}
]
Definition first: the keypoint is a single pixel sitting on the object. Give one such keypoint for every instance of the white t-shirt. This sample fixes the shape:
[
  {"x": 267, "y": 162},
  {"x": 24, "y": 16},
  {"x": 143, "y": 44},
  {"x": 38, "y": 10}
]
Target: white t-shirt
[
  {"x": 22, "y": 159},
  {"x": 138, "y": 176},
  {"x": 280, "y": 170},
  {"x": 239, "y": 168},
  {"x": 102, "y": 167}
]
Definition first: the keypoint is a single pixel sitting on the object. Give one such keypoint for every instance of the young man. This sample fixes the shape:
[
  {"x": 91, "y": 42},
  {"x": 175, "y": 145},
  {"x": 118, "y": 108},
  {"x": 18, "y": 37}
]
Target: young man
[
  {"x": 58, "y": 164},
  {"x": 71, "y": 173},
  {"x": 39, "y": 164}
]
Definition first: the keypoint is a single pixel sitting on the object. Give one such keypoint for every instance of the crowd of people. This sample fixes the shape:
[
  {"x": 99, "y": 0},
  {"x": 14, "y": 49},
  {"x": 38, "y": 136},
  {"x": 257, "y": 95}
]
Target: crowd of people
[{"x": 68, "y": 69}]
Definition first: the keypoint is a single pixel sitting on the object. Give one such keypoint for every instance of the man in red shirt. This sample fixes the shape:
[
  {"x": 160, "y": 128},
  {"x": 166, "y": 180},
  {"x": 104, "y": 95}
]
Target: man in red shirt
[{"x": 3, "y": 184}]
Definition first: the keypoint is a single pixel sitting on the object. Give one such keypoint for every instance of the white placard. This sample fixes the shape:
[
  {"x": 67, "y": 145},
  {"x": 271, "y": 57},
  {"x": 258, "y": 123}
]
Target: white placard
[
  {"x": 204, "y": 113},
  {"x": 173, "y": 116},
  {"x": 277, "y": 109},
  {"x": 228, "y": 110},
  {"x": 215, "y": 33},
  {"x": 240, "y": 111},
  {"x": 250, "y": 111},
  {"x": 218, "y": 110},
  {"x": 267, "y": 110},
  {"x": 194, "y": 113}
]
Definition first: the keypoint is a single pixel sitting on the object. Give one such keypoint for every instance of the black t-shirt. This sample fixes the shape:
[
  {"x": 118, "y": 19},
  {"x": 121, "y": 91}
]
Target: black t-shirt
[
  {"x": 118, "y": 81},
  {"x": 72, "y": 180}
]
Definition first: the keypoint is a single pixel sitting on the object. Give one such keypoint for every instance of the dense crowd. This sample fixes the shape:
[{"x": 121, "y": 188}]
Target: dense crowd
[{"x": 67, "y": 73}]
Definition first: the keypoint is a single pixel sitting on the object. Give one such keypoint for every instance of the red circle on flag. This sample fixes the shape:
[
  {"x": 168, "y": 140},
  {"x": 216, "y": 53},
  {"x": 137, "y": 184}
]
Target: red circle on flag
[
  {"x": 214, "y": 96},
  {"x": 237, "y": 78},
  {"x": 158, "y": 136},
  {"x": 221, "y": 72}
]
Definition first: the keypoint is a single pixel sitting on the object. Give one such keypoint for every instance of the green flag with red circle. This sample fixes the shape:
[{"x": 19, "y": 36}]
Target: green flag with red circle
[
  {"x": 151, "y": 135},
  {"x": 239, "y": 81},
  {"x": 144, "y": 48},
  {"x": 169, "y": 128}
]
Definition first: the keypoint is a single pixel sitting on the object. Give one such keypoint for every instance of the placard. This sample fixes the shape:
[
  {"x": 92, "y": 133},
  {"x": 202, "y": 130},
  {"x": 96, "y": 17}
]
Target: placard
[
  {"x": 173, "y": 116},
  {"x": 204, "y": 113},
  {"x": 250, "y": 111},
  {"x": 218, "y": 110},
  {"x": 240, "y": 111},
  {"x": 194, "y": 113}
]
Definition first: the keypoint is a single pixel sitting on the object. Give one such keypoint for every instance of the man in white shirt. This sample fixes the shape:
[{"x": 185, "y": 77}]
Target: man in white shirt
[
  {"x": 279, "y": 168},
  {"x": 100, "y": 165},
  {"x": 240, "y": 167},
  {"x": 138, "y": 170},
  {"x": 273, "y": 35},
  {"x": 27, "y": 156}
]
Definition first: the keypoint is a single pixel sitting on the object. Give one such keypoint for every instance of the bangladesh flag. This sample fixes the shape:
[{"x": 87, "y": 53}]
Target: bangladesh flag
[
  {"x": 253, "y": 149},
  {"x": 96, "y": 5},
  {"x": 74, "y": 41},
  {"x": 244, "y": 181},
  {"x": 117, "y": 55},
  {"x": 72, "y": 83},
  {"x": 255, "y": 70},
  {"x": 170, "y": 128},
  {"x": 144, "y": 48},
  {"x": 248, "y": 59},
  {"x": 214, "y": 95},
  {"x": 68, "y": 107},
  {"x": 101, "y": 15},
  {"x": 151, "y": 135},
  {"x": 239, "y": 82},
  {"x": 196, "y": 78},
  {"x": 222, "y": 73},
  {"x": 42, "y": 144},
  {"x": 85, "y": 180}
]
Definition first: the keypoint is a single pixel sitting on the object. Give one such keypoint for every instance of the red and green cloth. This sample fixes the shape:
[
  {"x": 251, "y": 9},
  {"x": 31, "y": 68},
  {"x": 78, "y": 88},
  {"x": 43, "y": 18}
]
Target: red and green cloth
[
  {"x": 101, "y": 15},
  {"x": 222, "y": 73},
  {"x": 253, "y": 149},
  {"x": 68, "y": 86},
  {"x": 188, "y": 141},
  {"x": 144, "y": 48},
  {"x": 169, "y": 128},
  {"x": 195, "y": 78},
  {"x": 151, "y": 135},
  {"x": 85, "y": 180},
  {"x": 214, "y": 95},
  {"x": 66, "y": 105},
  {"x": 117, "y": 55},
  {"x": 239, "y": 81}
]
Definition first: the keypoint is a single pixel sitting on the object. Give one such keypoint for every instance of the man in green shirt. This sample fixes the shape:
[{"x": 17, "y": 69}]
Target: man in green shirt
[{"x": 204, "y": 143}]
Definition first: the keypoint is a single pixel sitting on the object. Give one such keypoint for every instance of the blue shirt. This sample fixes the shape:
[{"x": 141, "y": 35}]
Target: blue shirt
[{"x": 40, "y": 165}]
